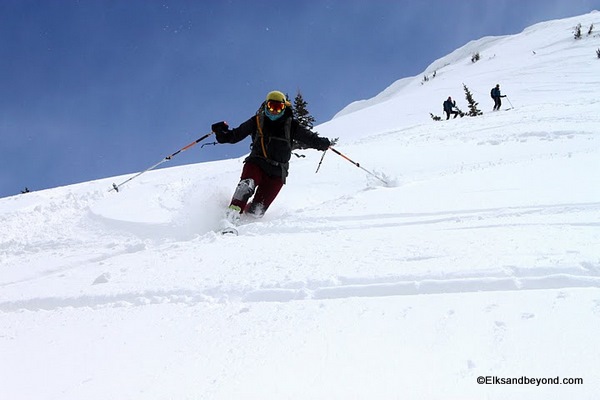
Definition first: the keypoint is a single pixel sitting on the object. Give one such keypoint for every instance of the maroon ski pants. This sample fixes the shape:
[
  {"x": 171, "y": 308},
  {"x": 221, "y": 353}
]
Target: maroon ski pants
[{"x": 267, "y": 188}]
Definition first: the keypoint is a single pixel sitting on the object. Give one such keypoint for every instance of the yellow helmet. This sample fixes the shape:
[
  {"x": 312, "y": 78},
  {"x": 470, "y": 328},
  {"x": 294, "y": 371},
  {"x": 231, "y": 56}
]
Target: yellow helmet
[{"x": 276, "y": 95}]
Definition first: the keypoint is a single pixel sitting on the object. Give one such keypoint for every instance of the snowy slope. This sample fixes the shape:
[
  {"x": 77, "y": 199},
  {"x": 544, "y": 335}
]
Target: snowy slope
[{"x": 480, "y": 258}]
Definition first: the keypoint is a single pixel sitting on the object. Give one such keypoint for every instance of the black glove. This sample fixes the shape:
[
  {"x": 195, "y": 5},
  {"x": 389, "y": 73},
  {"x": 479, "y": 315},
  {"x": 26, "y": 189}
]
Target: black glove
[
  {"x": 322, "y": 144},
  {"x": 221, "y": 130}
]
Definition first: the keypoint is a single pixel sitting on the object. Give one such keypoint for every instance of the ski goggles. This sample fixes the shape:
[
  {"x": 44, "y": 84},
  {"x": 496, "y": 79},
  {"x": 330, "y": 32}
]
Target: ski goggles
[{"x": 275, "y": 107}]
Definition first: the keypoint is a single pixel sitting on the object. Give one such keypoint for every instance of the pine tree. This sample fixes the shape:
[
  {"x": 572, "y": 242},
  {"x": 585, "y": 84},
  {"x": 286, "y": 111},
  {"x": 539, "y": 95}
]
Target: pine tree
[
  {"x": 577, "y": 32},
  {"x": 461, "y": 113},
  {"x": 301, "y": 112},
  {"x": 303, "y": 117},
  {"x": 473, "y": 110}
]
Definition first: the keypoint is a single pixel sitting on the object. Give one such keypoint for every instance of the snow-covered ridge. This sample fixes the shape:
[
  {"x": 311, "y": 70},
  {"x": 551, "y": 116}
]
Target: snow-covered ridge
[{"x": 535, "y": 38}]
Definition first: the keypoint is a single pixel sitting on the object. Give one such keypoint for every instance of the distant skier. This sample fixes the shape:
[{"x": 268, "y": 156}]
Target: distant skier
[
  {"x": 449, "y": 108},
  {"x": 496, "y": 95},
  {"x": 273, "y": 130}
]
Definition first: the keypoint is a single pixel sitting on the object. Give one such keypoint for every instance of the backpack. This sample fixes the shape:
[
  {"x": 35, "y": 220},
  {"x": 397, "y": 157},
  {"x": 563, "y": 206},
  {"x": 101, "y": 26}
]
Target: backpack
[
  {"x": 492, "y": 93},
  {"x": 274, "y": 148}
]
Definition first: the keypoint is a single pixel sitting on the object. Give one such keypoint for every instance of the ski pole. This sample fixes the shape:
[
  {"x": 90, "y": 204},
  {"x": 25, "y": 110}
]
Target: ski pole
[
  {"x": 167, "y": 158},
  {"x": 357, "y": 164},
  {"x": 511, "y": 106},
  {"x": 321, "y": 161}
]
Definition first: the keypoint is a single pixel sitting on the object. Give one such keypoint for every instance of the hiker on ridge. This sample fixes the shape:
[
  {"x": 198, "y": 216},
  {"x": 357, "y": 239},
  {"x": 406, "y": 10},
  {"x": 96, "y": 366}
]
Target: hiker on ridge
[
  {"x": 496, "y": 95},
  {"x": 449, "y": 106},
  {"x": 272, "y": 129}
]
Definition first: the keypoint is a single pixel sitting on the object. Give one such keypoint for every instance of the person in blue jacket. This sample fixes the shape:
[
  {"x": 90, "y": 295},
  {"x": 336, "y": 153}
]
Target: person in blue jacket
[
  {"x": 449, "y": 106},
  {"x": 496, "y": 95}
]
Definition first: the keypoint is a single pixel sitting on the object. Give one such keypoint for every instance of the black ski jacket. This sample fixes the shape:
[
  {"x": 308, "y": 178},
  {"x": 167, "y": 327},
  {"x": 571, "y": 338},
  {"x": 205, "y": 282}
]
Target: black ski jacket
[
  {"x": 271, "y": 146},
  {"x": 448, "y": 105}
]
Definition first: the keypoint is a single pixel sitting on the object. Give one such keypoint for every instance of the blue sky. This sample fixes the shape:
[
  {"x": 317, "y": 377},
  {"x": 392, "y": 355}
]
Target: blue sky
[{"x": 93, "y": 89}]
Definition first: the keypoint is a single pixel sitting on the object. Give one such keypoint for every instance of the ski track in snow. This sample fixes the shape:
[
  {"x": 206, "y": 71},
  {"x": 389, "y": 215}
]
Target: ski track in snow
[
  {"x": 512, "y": 278},
  {"x": 348, "y": 287},
  {"x": 310, "y": 224}
]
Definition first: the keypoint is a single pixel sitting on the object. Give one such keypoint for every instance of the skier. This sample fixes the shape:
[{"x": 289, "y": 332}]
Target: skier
[
  {"x": 449, "y": 106},
  {"x": 273, "y": 129},
  {"x": 496, "y": 95}
]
